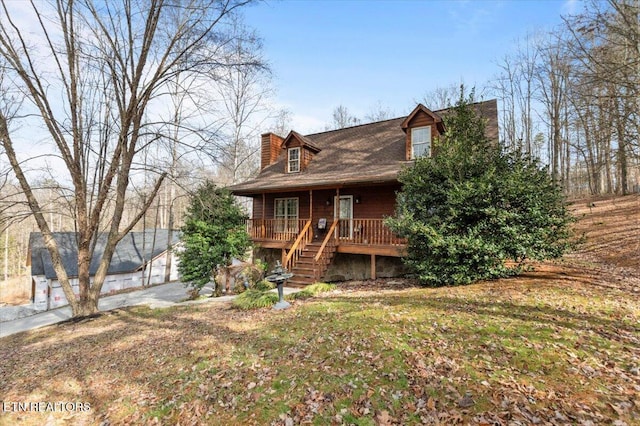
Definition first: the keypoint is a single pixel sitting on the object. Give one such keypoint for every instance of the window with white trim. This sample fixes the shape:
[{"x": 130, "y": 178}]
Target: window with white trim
[
  {"x": 294, "y": 159},
  {"x": 286, "y": 214},
  {"x": 421, "y": 142}
]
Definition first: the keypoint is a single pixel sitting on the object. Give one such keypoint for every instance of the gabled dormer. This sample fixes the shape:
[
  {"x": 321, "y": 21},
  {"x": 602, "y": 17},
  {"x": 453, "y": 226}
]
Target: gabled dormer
[
  {"x": 422, "y": 126},
  {"x": 299, "y": 152}
]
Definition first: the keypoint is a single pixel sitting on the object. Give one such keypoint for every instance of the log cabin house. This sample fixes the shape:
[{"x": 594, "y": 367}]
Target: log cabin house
[{"x": 320, "y": 200}]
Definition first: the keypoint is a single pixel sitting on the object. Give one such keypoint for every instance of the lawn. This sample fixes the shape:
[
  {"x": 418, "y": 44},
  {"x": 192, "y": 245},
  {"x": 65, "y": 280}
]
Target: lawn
[{"x": 560, "y": 345}]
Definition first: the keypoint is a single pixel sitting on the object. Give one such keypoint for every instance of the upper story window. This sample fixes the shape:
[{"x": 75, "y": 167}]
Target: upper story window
[
  {"x": 293, "y": 159},
  {"x": 421, "y": 142}
]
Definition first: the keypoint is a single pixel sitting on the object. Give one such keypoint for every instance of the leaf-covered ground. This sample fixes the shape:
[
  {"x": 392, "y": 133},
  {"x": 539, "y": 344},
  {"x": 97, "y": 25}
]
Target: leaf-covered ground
[{"x": 557, "y": 346}]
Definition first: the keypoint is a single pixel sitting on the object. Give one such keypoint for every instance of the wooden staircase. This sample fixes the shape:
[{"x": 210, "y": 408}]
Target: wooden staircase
[{"x": 307, "y": 270}]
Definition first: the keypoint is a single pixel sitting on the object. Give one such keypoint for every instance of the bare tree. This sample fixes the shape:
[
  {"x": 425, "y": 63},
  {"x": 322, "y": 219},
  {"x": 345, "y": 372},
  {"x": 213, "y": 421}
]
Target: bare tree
[
  {"x": 441, "y": 97},
  {"x": 281, "y": 122},
  {"x": 107, "y": 68},
  {"x": 605, "y": 41},
  {"x": 379, "y": 112},
  {"x": 552, "y": 82},
  {"x": 243, "y": 91},
  {"x": 341, "y": 118},
  {"x": 516, "y": 88}
]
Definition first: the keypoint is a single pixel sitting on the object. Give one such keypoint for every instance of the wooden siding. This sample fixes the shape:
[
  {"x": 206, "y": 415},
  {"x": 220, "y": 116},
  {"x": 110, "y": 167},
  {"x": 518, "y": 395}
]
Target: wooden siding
[
  {"x": 271, "y": 148},
  {"x": 376, "y": 202},
  {"x": 303, "y": 204}
]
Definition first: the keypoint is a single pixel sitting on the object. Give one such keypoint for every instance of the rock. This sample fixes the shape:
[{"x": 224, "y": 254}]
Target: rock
[{"x": 466, "y": 401}]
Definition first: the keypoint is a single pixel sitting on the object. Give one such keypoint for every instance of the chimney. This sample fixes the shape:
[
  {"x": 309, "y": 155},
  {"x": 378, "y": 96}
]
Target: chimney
[{"x": 270, "y": 149}]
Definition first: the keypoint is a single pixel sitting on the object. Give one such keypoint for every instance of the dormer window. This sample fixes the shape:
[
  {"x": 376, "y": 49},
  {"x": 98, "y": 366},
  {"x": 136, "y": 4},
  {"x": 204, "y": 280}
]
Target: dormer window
[
  {"x": 421, "y": 126},
  {"x": 293, "y": 159},
  {"x": 421, "y": 142}
]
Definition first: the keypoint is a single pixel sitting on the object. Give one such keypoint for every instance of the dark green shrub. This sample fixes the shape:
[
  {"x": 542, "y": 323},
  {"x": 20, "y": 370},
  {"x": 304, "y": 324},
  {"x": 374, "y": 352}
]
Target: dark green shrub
[
  {"x": 473, "y": 211},
  {"x": 213, "y": 235}
]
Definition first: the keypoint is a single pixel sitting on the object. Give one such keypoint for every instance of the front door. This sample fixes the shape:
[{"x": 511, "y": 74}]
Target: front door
[{"x": 344, "y": 211}]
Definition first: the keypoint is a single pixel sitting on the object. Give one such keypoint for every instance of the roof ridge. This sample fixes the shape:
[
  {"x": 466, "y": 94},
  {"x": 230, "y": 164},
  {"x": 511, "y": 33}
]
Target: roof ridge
[
  {"x": 353, "y": 127},
  {"x": 391, "y": 119}
]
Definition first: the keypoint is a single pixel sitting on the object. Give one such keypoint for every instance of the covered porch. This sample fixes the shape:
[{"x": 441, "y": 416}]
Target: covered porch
[
  {"x": 310, "y": 227},
  {"x": 355, "y": 215},
  {"x": 358, "y": 236}
]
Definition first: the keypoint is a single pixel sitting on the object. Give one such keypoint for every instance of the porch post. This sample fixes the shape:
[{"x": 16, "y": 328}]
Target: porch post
[
  {"x": 336, "y": 210},
  {"x": 262, "y": 227},
  {"x": 311, "y": 204},
  {"x": 373, "y": 266}
]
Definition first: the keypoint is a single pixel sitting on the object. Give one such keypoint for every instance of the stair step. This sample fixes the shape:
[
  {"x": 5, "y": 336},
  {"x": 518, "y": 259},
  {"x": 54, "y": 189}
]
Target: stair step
[
  {"x": 309, "y": 260},
  {"x": 305, "y": 267},
  {"x": 297, "y": 284},
  {"x": 299, "y": 279},
  {"x": 309, "y": 275}
]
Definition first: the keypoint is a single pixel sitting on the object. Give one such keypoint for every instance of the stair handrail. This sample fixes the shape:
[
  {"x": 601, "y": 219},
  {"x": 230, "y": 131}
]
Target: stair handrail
[
  {"x": 326, "y": 240},
  {"x": 296, "y": 245}
]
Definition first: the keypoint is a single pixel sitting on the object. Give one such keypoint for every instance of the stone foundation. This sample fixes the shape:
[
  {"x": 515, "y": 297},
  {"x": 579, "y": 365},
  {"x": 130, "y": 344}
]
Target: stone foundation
[
  {"x": 267, "y": 255},
  {"x": 347, "y": 267},
  {"x": 344, "y": 267}
]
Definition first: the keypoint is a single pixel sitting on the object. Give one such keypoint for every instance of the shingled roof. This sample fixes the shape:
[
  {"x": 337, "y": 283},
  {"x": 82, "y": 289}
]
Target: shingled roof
[
  {"x": 366, "y": 154},
  {"x": 129, "y": 256}
]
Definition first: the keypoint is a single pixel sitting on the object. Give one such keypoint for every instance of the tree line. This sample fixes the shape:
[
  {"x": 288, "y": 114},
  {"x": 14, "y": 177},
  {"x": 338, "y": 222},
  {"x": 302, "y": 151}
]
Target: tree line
[{"x": 569, "y": 96}]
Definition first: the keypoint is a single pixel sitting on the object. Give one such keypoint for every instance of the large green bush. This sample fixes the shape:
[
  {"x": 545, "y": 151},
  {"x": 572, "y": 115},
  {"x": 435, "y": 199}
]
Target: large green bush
[
  {"x": 213, "y": 235},
  {"x": 473, "y": 211}
]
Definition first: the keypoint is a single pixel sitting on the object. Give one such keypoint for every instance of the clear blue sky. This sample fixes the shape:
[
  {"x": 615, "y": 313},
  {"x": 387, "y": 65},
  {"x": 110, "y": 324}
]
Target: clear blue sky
[{"x": 361, "y": 52}]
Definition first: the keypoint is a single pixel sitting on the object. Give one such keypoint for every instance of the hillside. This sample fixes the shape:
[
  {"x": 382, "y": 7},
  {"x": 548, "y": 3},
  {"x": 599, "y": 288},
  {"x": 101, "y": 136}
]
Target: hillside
[{"x": 560, "y": 345}]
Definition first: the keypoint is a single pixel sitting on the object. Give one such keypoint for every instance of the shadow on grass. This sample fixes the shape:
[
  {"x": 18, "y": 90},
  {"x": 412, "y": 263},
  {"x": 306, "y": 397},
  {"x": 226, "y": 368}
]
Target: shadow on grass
[
  {"x": 146, "y": 358},
  {"x": 130, "y": 353},
  {"x": 604, "y": 326}
]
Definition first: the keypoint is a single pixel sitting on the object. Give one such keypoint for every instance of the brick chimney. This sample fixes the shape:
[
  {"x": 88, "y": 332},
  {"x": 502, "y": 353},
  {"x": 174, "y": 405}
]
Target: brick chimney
[{"x": 270, "y": 149}]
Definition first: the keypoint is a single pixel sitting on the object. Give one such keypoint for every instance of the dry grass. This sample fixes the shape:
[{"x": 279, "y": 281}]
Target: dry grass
[
  {"x": 15, "y": 291},
  {"x": 612, "y": 229}
]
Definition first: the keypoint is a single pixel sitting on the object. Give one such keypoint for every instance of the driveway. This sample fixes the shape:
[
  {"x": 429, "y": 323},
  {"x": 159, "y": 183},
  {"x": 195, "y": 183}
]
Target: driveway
[{"x": 160, "y": 296}]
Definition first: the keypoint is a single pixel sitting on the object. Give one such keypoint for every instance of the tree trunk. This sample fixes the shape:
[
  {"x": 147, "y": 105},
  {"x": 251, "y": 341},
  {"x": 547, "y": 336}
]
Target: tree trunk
[
  {"x": 621, "y": 156},
  {"x": 167, "y": 265}
]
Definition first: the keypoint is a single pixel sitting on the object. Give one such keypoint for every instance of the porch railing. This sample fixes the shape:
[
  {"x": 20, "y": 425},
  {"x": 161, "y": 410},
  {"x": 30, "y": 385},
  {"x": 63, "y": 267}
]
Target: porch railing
[
  {"x": 325, "y": 252},
  {"x": 305, "y": 237},
  {"x": 367, "y": 232},
  {"x": 354, "y": 231},
  {"x": 275, "y": 229}
]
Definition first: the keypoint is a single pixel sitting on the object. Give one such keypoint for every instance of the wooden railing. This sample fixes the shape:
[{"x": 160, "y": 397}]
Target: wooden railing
[
  {"x": 305, "y": 236},
  {"x": 275, "y": 229},
  {"x": 355, "y": 231},
  {"x": 367, "y": 232},
  {"x": 325, "y": 252}
]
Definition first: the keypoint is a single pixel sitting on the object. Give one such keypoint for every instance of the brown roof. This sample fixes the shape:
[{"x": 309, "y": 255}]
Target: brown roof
[
  {"x": 365, "y": 154},
  {"x": 305, "y": 141}
]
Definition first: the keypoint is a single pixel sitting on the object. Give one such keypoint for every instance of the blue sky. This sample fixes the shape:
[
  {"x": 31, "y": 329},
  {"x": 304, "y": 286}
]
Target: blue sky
[{"x": 362, "y": 52}]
